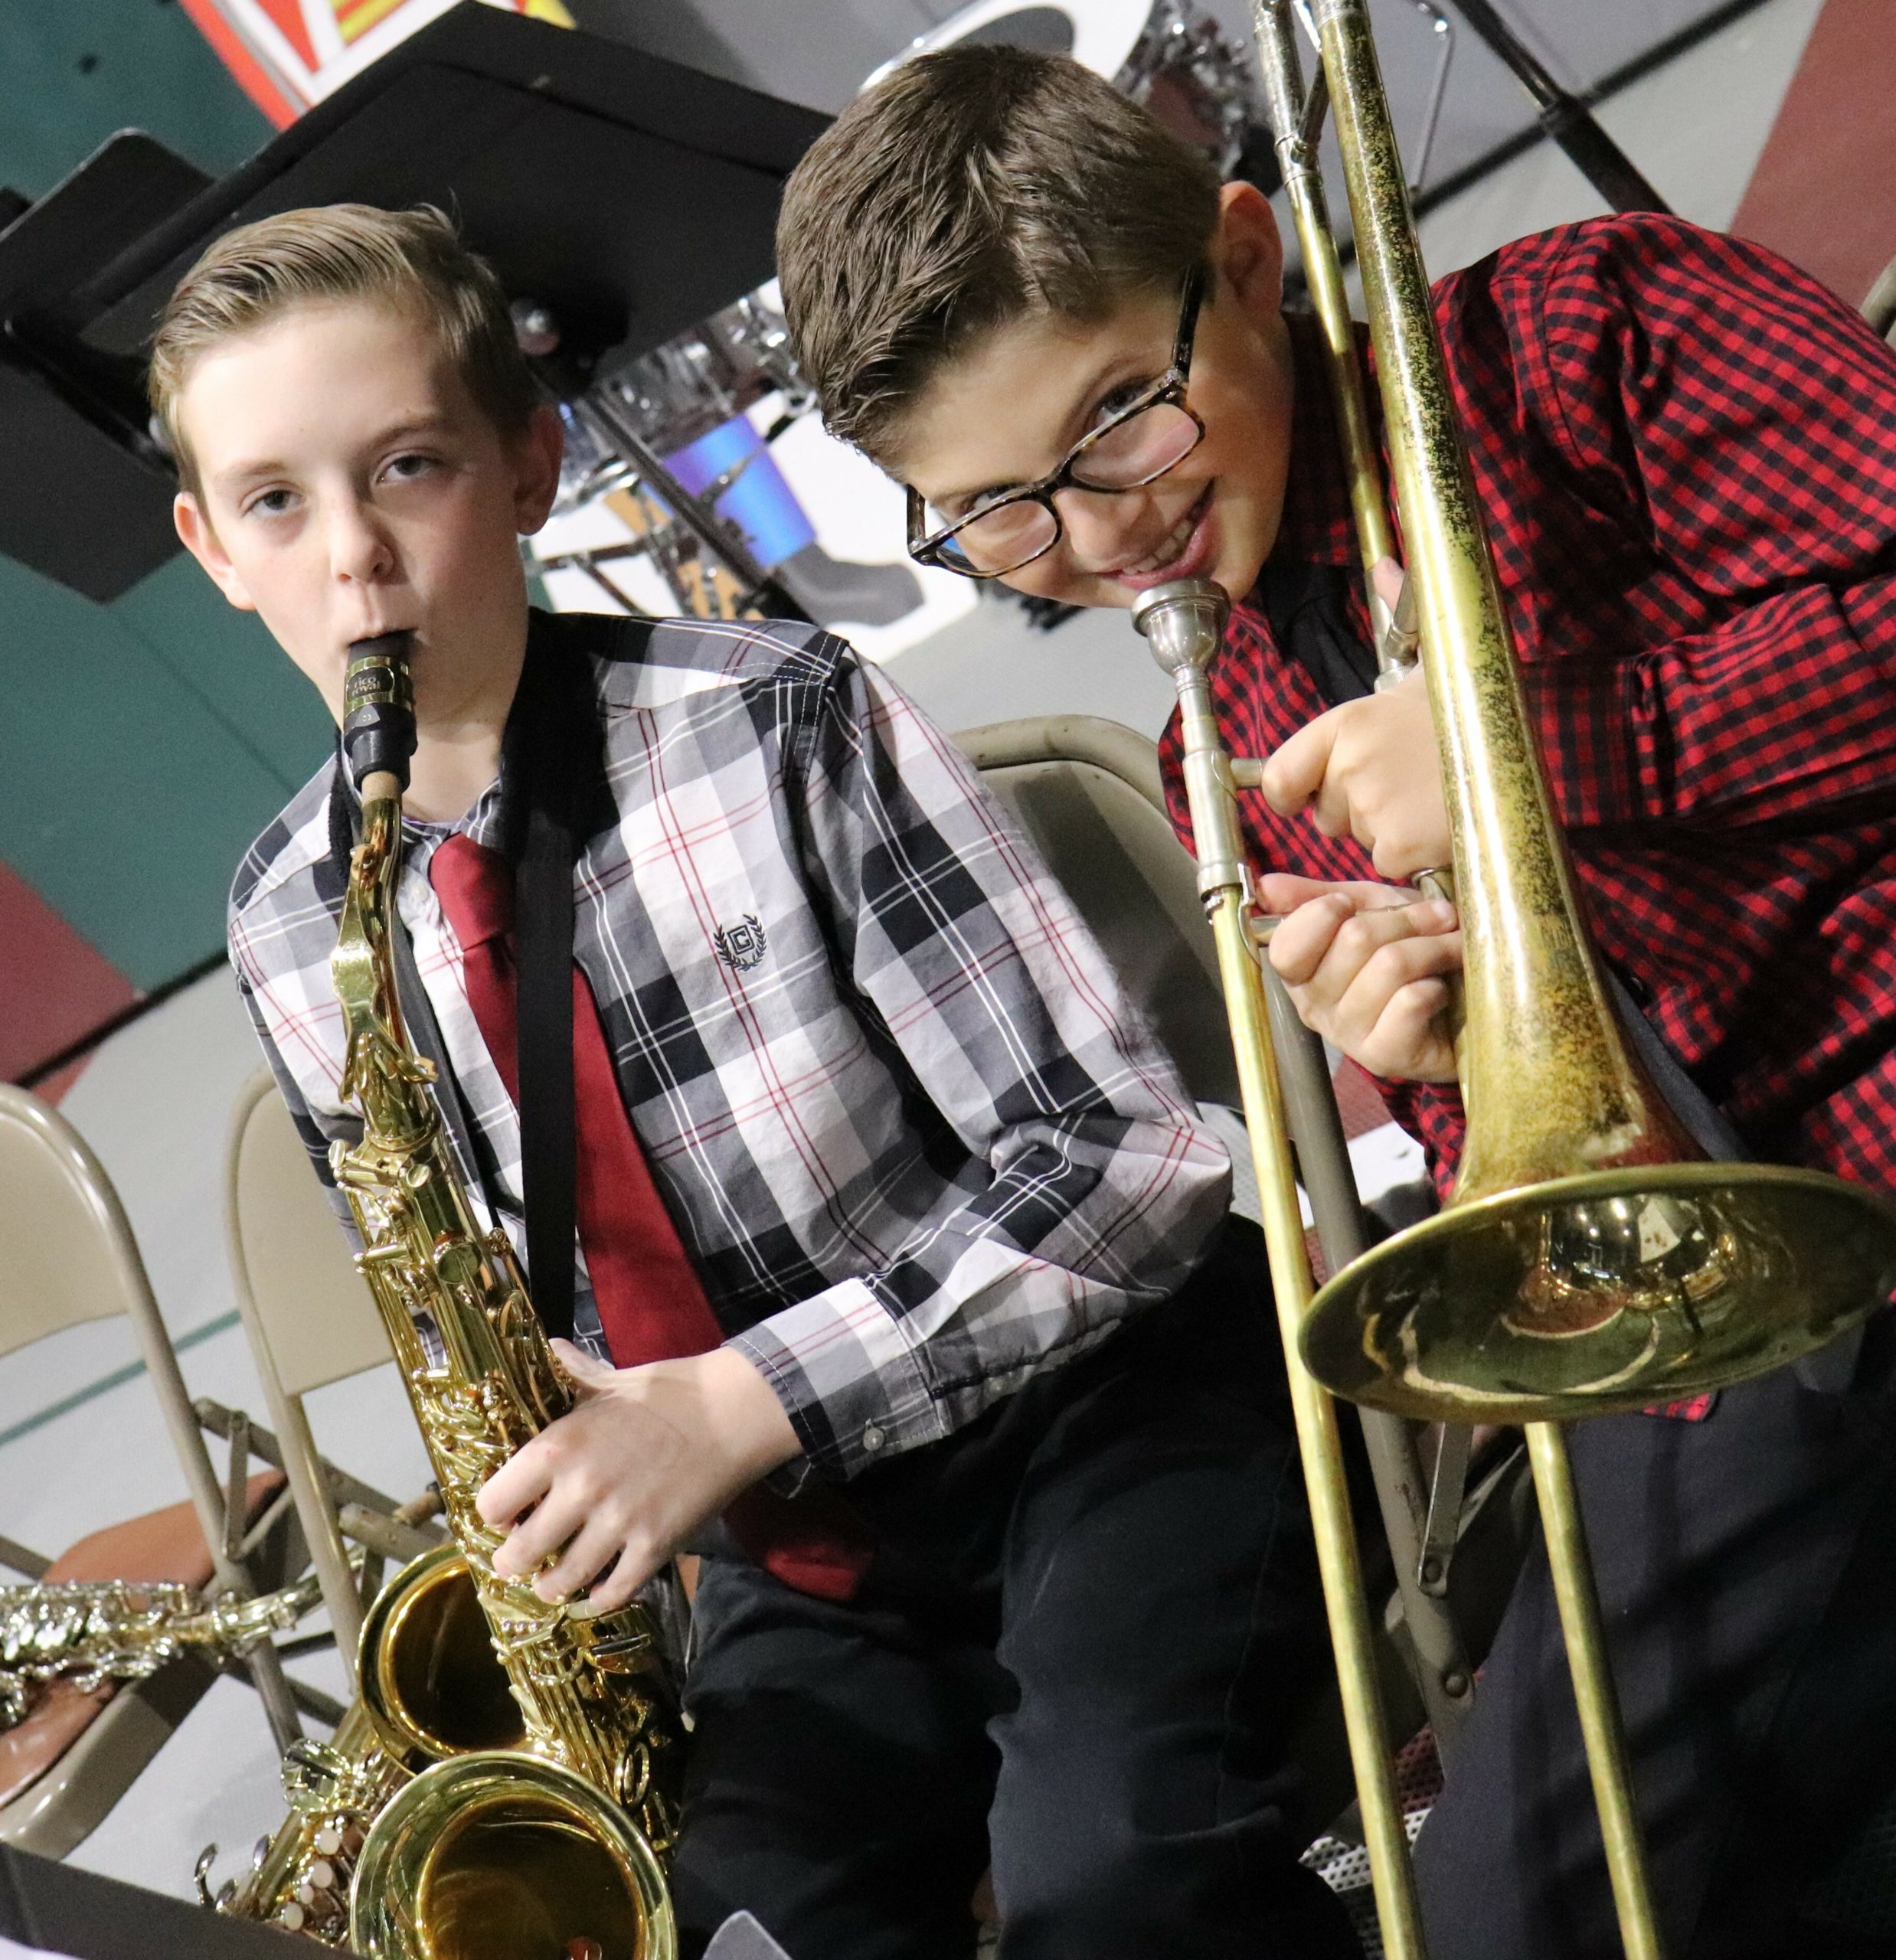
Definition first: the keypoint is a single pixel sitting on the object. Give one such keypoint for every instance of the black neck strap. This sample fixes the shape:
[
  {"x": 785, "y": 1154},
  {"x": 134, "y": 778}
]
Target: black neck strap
[
  {"x": 538, "y": 821},
  {"x": 552, "y": 777}
]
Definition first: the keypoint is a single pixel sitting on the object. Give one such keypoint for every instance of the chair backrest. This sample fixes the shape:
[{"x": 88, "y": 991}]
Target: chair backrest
[
  {"x": 67, "y": 1251},
  {"x": 307, "y": 1314},
  {"x": 1087, "y": 792},
  {"x": 307, "y": 1310},
  {"x": 67, "y": 1255}
]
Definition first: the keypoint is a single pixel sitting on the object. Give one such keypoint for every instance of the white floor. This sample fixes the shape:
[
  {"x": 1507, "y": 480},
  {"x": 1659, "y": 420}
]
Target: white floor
[{"x": 155, "y": 1102}]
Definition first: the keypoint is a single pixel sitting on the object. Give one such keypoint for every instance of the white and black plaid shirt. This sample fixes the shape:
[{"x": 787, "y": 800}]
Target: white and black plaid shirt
[{"x": 889, "y": 1089}]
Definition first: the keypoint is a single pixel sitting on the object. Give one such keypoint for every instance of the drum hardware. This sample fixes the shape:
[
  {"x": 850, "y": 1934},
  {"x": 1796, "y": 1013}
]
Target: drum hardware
[
  {"x": 1172, "y": 56},
  {"x": 665, "y": 443},
  {"x": 1444, "y": 29},
  {"x": 760, "y": 595},
  {"x": 674, "y": 394},
  {"x": 1564, "y": 116}
]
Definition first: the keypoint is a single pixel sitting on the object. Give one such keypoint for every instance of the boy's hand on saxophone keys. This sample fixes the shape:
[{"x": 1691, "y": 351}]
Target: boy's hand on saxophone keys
[
  {"x": 1364, "y": 965},
  {"x": 644, "y": 1456},
  {"x": 1369, "y": 769}
]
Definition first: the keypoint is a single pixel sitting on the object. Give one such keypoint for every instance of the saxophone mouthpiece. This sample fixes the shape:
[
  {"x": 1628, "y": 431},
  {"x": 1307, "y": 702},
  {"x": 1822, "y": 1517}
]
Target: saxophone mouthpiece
[
  {"x": 378, "y": 708},
  {"x": 1182, "y": 621}
]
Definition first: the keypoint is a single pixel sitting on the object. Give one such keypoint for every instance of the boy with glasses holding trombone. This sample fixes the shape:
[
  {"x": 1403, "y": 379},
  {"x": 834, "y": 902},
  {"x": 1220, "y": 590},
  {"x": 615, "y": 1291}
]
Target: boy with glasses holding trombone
[{"x": 1049, "y": 321}]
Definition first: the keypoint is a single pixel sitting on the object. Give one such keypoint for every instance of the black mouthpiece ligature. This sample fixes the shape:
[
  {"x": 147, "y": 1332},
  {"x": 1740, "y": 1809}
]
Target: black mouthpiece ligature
[{"x": 378, "y": 708}]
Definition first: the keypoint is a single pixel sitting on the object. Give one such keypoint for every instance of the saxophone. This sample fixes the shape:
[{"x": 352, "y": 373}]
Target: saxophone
[
  {"x": 542, "y": 1823},
  {"x": 90, "y": 1631}
]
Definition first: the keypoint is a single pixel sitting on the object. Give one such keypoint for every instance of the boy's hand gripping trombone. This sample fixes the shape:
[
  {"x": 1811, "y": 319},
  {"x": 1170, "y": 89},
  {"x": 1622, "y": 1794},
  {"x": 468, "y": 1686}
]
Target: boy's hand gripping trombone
[{"x": 1589, "y": 1259}]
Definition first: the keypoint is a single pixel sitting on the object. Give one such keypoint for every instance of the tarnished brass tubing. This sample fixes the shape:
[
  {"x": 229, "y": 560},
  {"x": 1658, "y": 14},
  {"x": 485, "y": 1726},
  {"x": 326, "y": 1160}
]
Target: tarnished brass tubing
[
  {"x": 1182, "y": 621},
  {"x": 1588, "y": 1260},
  {"x": 1599, "y": 1724},
  {"x": 556, "y": 1845}
]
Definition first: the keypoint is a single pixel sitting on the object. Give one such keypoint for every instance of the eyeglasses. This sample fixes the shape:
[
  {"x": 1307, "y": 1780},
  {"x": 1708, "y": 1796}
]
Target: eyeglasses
[{"x": 1155, "y": 431}]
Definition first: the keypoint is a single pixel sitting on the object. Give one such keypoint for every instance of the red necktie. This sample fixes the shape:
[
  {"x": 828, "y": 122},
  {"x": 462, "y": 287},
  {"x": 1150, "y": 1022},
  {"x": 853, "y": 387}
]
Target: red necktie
[{"x": 652, "y": 1304}]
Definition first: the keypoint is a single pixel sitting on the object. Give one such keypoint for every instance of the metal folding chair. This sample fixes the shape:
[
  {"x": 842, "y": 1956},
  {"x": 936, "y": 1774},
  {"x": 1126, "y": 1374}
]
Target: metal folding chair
[
  {"x": 1088, "y": 793},
  {"x": 67, "y": 1256}
]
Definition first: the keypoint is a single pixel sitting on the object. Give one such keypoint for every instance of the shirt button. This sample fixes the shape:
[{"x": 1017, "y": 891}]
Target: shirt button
[{"x": 873, "y": 1438}]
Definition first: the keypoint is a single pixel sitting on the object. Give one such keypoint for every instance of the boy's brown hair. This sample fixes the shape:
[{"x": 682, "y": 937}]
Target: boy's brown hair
[
  {"x": 411, "y": 259},
  {"x": 973, "y": 187}
]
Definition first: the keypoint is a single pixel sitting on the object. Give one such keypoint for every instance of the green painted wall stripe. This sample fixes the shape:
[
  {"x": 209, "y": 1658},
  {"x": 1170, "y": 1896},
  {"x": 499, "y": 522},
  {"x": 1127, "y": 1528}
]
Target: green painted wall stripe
[
  {"x": 146, "y": 742},
  {"x": 125, "y": 801},
  {"x": 117, "y": 1379},
  {"x": 77, "y": 69}
]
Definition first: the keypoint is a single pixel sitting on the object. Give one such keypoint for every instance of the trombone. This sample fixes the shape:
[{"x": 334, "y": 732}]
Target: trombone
[{"x": 1589, "y": 1259}]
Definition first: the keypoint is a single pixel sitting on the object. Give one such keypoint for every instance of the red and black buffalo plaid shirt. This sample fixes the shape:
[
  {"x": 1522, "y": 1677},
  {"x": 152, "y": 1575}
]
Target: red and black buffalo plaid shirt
[{"x": 1686, "y": 451}]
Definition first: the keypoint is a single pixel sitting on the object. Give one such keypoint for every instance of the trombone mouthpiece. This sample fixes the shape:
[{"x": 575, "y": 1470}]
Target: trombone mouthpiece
[
  {"x": 378, "y": 708},
  {"x": 1182, "y": 621}
]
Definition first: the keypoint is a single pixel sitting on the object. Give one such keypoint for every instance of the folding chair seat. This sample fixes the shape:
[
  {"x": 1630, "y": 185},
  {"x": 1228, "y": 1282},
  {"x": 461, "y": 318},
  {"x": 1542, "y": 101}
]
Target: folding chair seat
[
  {"x": 67, "y": 1255},
  {"x": 1087, "y": 792}
]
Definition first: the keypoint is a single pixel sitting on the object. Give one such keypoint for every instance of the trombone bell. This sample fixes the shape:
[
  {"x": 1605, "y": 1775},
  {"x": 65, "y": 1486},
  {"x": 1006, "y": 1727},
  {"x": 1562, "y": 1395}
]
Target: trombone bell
[
  {"x": 1604, "y": 1291},
  {"x": 1589, "y": 1261}
]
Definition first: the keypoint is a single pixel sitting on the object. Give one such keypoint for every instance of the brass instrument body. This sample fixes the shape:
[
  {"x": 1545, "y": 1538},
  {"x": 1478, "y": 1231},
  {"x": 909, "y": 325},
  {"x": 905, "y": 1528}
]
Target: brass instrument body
[
  {"x": 94, "y": 1631},
  {"x": 1637, "y": 1272},
  {"x": 300, "y": 1877},
  {"x": 504, "y": 1784},
  {"x": 1589, "y": 1259},
  {"x": 1183, "y": 622},
  {"x": 590, "y": 1689},
  {"x": 433, "y": 1688}
]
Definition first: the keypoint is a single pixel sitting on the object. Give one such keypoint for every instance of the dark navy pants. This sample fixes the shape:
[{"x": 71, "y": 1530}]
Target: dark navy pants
[
  {"x": 1747, "y": 1575},
  {"x": 1079, "y": 1657}
]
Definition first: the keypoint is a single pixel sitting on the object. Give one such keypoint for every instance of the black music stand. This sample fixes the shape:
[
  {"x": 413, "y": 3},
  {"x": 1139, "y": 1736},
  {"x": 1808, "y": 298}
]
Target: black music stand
[
  {"x": 629, "y": 196},
  {"x": 60, "y": 1909}
]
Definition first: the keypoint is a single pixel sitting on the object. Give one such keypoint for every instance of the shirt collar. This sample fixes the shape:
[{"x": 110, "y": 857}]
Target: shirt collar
[{"x": 1316, "y": 527}]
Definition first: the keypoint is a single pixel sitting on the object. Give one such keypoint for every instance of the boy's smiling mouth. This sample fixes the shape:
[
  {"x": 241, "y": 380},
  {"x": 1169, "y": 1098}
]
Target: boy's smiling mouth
[{"x": 1172, "y": 557}]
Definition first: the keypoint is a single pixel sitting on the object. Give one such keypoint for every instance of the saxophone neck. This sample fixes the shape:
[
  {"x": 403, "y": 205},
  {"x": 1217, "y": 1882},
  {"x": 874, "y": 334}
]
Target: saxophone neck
[{"x": 381, "y": 1071}]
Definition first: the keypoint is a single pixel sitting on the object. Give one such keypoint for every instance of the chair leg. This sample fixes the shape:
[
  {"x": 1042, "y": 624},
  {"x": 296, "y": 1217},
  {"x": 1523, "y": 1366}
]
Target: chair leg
[
  {"x": 17, "y": 1558},
  {"x": 274, "y": 1689}
]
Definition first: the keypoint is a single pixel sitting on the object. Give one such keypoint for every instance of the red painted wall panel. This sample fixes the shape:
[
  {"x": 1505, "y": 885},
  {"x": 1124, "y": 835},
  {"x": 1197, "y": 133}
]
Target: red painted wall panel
[
  {"x": 1824, "y": 192},
  {"x": 54, "y": 985}
]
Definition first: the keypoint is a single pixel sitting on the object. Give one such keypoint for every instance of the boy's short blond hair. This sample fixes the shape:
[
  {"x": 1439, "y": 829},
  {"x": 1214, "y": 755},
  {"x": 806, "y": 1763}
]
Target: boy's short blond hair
[
  {"x": 974, "y": 187},
  {"x": 411, "y": 259}
]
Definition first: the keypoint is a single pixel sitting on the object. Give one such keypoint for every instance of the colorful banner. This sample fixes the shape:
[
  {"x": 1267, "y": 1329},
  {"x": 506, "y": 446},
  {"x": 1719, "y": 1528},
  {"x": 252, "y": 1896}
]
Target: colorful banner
[{"x": 290, "y": 53}]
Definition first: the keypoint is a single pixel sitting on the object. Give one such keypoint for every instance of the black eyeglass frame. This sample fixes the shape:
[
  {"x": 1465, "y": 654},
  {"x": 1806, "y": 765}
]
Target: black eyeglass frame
[{"x": 1168, "y": 389}]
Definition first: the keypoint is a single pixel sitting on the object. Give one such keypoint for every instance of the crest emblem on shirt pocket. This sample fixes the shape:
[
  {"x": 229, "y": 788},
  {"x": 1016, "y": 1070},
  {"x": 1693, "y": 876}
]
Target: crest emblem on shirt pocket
[{"x": 740, "y": 946}]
